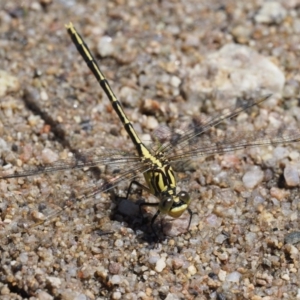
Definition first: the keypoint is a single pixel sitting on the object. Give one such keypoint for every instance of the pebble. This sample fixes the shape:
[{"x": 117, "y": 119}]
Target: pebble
[
  {"x": 234, "y": 277},
  {"x": 160, "y": 265},
  {"x": 8, "y": 83},
  {"x": 292, "y": 237},
  {"x": 116, "y": 295},
  {"x": 281, "y": 152},
  {"x": 285, "y": 277},
  {"x": 49, "y": 156},
  {"x": 291, "y": 175},
  {"x": 42, "y": 295},
  {"x": 55, "y": 282},
  {"x": 220, "y": 239},
  {"x": 119, "y": 243},
  {"x": 266, "y": 217},
  {"x": 5, "y": 290},
  {"x": 279, "y": 194},
  {"x": 3, "y": 145},
  {"x": 213, "y": 221},
  {"x": 250, "y": 237},
  {"x": 105, "y": 46},
  {"x": 241, "y": 33},
  {"x": 175, "y": 81},
  {"x": 237, "y": 69},
  {"x": 222, "y": 275},
  {"x": 271, "y": 12},
  {"x": 171, "y": 296},
  {"x": 177, "y": 263},
  {"x": 153, "y": 258},
  {"x": 253, "y": 178},
  {"x": 192, "y": 270},
  {"x": 151, "y": 122},
  {"x": 23, "y": 257},
  {"x": 44, "y": 95},
  {"x": 115, "y": 279},
  {"x": 129, "y": 96}
]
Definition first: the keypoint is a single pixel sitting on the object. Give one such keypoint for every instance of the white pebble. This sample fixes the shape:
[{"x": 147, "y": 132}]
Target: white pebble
[
  {"x": 3, "y": 145},
  {"x": 105, "y": 46},
  {"x": 80, "y": 297},
  {"x": 160, "y": 265},
  {"x": 44, "y": 95},
  {"x": 115, "y": 279},
  {"x": 116, "y": 295},
  {"x": 119, "y": 243},
  {"x": 151, "y": 122},
  {"x": 251, "y": 237},
  {"x": 285, "y": 277},
  {"x": 220, "y": 239},
  {"x": 48, "y": 156},
  {"x": 192, "y": 270},
  {"x": 234, "y": 276},
  {"x": 291, "y": 175},
  {"x": 271, "y": 12},
  {"x": 153, "y": 258},
  {"x": 8, "y": 83},
  {"x": 42, "y": 295},
  {"x": 280, "y": 153},
  {"x": 54, "y": 282},
  {"x": 222, "y": 275},
  {"x": 252, "y": 178},
  {"x": 23, "y": 257},
  {"x": 175, "y": 81}
]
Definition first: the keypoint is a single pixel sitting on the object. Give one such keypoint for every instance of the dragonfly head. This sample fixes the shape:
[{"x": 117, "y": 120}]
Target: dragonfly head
[{"x": 173, "y": 205}]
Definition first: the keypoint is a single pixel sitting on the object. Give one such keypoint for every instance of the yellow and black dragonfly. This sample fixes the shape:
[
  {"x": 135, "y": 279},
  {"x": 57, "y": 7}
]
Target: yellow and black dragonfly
[{"x": 156, "y": 165}]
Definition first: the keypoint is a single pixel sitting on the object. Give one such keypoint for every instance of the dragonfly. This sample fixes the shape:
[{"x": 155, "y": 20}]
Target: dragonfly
[{"x": 156, "y": 163}]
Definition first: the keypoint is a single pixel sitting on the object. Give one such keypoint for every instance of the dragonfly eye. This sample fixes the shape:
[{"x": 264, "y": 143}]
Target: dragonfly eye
[
  {"x": 166, "y": 204},
  {"x": 184, "y": 197}
]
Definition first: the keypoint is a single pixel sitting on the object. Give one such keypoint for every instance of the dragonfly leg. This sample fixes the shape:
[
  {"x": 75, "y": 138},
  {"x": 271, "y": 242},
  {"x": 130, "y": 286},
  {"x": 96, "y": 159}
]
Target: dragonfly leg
[
  {"x": 191, "y": 216},
  {"x": 153, "y": 218},
  {"x": 134, "y": 182}
]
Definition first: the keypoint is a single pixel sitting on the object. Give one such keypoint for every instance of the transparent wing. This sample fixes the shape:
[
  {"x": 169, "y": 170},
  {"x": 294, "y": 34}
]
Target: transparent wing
[
  {"x": 126, "y": 174},
  {"x": 203, "y": 139},
  {"x": 84, "y": 159},
  {"x": 184, "y": 139},
  {"x": 231, "y": 141}
]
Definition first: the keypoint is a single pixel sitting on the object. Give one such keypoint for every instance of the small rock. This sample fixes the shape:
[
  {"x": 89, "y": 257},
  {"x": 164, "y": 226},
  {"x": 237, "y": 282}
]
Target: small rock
[
  {"x": 175, "y": 81},
  {"x": 5, "y": 290},
  {"x": 271, "y": 12},
  {"x": 233, "y": 277},
  {"x": 253, "y": 178},
  {"x": 115, "y": 279},
  {"x": 292, "y": 237},
  {"x": 49, "y": 156},
  {"x": 160, "y": 265},
  {"x": 291, "y": 175},
  {"x": 285, "y": 277},
  {"x": 222, "y": 275},
  {"x": 55, "y": 282},
  {"x": 192, "y": 270},
  {"x": 105, "y": 46},
  {"x": 241, "y": 33},
  {"x": 42, "y": 295},
  {"x": 116, "y": 295},
  {"x": 8, "y": 83}
]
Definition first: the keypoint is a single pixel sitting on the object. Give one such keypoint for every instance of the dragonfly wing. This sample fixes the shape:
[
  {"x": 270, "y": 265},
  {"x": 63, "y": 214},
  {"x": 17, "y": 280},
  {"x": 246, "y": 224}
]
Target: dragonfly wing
[{"x": 79, "y": 160}]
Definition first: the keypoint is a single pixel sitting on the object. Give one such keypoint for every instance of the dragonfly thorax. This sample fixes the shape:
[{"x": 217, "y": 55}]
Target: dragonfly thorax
[{"x": 162, "y": 184}]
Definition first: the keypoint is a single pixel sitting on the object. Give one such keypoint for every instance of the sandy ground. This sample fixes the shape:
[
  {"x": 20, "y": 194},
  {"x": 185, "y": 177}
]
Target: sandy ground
[{"x": 170, "y": 63}]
